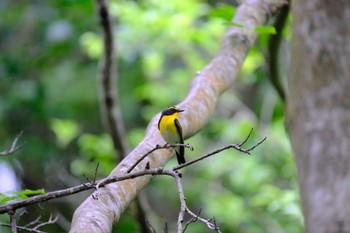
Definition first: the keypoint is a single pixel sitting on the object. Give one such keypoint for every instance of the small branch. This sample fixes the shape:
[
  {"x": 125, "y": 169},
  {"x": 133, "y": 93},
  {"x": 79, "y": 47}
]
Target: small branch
[
  {"x": 234, "y": 146},
  {"x": 192, "y": 220},
  {"x": 44, "y": 197},
  {"x": 30, "y": 226},
  {"x": 13, "y": 221},
  {"x": 34, "y": 222},
  {"x": 184, "y": 209},
  {"x": 13, "y": 147},
  {"x": 22, "y": 228},
  {"x": 79, "y": 188},
  {"x": 210, "y": 225},
  {"x": 50, "y": 221},
  {"x": 246, "y": 139},
  {"x": 158, "y": 147}
]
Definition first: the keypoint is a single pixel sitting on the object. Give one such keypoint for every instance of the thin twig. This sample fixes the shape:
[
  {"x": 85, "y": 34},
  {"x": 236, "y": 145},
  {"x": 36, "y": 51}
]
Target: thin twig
[
  {"x": 208, "y": 222},
  {"x": 23, "y": 228},
  {"x": 192, "y": 220},
  {"x": 14, "y": 146},
  {"x": 30, "y": 226},
  {"x": 50, "y": 221},
  {"x": 158, "y": 147},
  {"x": 234, "y": 146},
  {"x": 76, "y": 189},
  {"x": 34, "y": 222},
  {"x": 183, "y": 207},
  {"x": 13, "y": 221},
  {"x": 246, "y": 138}
]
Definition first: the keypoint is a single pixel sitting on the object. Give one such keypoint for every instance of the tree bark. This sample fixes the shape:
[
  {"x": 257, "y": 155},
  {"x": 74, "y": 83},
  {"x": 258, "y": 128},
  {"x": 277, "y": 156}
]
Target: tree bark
[{"x": 318, "y": 111}]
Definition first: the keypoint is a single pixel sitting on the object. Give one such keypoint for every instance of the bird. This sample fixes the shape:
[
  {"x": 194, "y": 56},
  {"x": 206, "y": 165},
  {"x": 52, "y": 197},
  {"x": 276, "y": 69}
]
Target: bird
[{"x": 170, "y": 129}]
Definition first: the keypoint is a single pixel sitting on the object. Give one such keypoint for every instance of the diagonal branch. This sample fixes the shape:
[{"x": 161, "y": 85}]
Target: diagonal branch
[
  {"x": 109, "y": 101},
  {"x": 166, "y": 146},
  {"x": 234, "y": 146},
  {"x": 199, "y": 105}
]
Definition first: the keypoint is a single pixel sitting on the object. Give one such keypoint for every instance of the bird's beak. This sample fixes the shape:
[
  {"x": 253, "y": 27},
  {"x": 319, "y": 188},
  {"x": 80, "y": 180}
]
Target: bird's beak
[{"x": 180, "y": 110}]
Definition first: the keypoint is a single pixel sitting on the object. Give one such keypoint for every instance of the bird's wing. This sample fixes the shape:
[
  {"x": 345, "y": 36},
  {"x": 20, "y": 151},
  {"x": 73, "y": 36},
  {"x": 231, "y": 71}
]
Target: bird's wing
[
  {"x": 179, "y": 130},
  {"x": 180, "y": 155}
]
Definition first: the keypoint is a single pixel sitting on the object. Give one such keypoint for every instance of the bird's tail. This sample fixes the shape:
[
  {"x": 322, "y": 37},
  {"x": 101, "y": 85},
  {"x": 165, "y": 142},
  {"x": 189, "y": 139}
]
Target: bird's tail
[{"x": 180, "y": 155}]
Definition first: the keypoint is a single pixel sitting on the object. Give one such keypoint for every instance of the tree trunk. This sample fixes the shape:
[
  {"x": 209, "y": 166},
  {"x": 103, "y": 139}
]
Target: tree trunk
[{"x": 318, "y": 111}]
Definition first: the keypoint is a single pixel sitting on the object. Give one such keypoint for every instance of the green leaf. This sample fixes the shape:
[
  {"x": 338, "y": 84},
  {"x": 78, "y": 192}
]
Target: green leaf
[
  {"x": 30, "y": 192},
  {"x": 223, "y": 11},
  {"x": 65, "y": 131},
  {"x": 5, "y": 199},
  {"x": 23, "y": 194},
  {"x": 265, "y": 30}
]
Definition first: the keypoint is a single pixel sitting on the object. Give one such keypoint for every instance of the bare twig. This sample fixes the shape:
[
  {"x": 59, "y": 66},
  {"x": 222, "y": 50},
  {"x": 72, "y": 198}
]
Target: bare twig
[
  {"x": 34, "y": 222},
  {"x": 44, "y": 197},
  {"x": 246, "y": 139},
  {"x": 234, "y": 146},
  {"x": 184, "y": 209},
  {"x": 192, "y": 220},
  {"x": 13, "y": 221},
  {"x": 23, "y": 228},
  {"x": 210, "y": 225},
  {"x": 14, "y": 146},
  {"x": 158, "y": 147},
  {"x": 50, "y": 221},
  {"x": 79, "y": 188},
  {"x": 32, "y": 226},
  {"x": 109, "y": 101}
]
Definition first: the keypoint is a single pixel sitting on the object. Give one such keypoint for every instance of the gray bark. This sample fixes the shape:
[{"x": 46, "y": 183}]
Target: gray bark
[{"x": 318, "y": 111}]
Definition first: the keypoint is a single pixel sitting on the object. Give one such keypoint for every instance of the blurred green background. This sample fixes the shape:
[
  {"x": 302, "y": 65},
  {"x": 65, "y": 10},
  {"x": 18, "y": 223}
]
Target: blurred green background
[{"x": 49, "y": 55}]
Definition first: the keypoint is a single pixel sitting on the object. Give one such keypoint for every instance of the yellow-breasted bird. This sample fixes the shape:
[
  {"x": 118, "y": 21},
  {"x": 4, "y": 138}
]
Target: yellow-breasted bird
[{"x": 170, "y": 129}]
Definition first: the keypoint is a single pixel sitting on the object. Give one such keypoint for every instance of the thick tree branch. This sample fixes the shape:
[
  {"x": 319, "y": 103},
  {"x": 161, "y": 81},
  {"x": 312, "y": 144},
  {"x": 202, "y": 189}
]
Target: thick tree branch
[
  {"x": 109, "y": 101},
  {"x": 206, "y": 87}
]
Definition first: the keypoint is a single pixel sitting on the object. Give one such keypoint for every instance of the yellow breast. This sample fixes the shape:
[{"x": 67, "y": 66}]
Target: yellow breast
[{"x": 168, "y": 129}]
